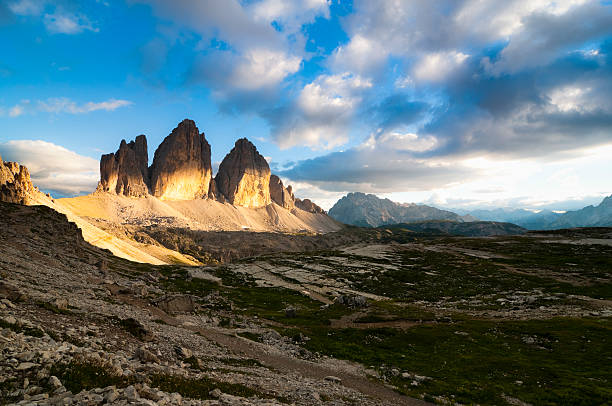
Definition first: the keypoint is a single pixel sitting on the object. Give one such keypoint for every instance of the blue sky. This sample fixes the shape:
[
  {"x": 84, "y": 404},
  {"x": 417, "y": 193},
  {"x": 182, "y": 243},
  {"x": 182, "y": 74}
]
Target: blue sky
[{"x": 457, "y": 103}]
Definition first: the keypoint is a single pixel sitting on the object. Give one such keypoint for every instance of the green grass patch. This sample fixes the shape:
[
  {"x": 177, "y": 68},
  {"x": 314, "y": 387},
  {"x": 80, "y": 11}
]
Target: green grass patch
[
  {"x": 201, "y": 388},
  {"x": 558, "y": 361},
  {"x": 84, "y": 375}
]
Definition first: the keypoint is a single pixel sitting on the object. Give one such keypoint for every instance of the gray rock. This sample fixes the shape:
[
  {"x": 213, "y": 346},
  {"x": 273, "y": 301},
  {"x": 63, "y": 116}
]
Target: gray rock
[
  {"x": 55, "y": 382},
  {"x": 333, "y": 379},
  {"x": 183, "y": 352},
  {"x": 131, "y": 393},
  {"x": 145, "y": 355},
  {"x": 290, "y": 312}
]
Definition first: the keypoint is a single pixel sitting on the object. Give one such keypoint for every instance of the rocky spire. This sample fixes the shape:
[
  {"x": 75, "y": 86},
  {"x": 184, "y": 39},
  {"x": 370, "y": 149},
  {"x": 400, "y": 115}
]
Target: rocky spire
[
  {"x": 244, "y": 176},
  {"x": 125, "y": 172},
  {"x": 281, "y": 195},
  {"x": 181, "y": 167}
]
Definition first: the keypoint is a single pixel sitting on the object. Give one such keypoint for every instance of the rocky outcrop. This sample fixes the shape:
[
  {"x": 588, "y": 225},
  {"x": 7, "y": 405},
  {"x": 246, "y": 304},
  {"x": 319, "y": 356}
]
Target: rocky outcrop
[
  {"x": 309, "y": 206},
  {"x": 126, "y": 171},
  {"x": 15, "y": 183},
  {"x": 244, "y": 176},
  {"x": 181, "y": 170},
  {"x": 181, "y": 167},
  {"x": 281, "y": 195}
]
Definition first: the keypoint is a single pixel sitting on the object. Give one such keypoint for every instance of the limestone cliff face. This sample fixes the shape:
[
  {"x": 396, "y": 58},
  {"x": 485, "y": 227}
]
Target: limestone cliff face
[
  {"x": 244, "y": 176},
  {"x": 15, "y": 183},
  {"x": 181, "y": 167},
  {"x": 281, "y": 195},
  {"x": 126, "y": 171}
]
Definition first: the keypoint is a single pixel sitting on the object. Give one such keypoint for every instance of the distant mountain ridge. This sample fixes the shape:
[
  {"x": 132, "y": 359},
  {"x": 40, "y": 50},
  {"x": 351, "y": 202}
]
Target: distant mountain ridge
[
  {"x": 367, "y": 210},
  {"x": 522, "y": 217},
  {"x": 589, "y": 216}
]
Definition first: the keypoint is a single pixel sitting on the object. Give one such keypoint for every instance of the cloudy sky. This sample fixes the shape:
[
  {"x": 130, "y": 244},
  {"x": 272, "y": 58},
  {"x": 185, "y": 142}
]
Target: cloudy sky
[{"x": 456, "y": 103}]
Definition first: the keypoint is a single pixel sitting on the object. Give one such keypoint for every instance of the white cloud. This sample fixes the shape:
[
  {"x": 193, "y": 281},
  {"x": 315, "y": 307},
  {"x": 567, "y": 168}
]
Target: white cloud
[
  {"x": 291, "y": 14},
  {"x": 52, "y": 167},
  {"x": 362, "y": 55},
  {"x": 580, "y": 98},
  {"x": 263, "y": 68},
  {"x": 26, "y": 7},
  {"x": 65, "y": 105},
  {"x": 437, "y": 66},
  {"x": 322, "y": 112},
  {"x": 60, "y": 23},
  {"x": 16, "y": 111},
  {"x": 402, "y": 141}
]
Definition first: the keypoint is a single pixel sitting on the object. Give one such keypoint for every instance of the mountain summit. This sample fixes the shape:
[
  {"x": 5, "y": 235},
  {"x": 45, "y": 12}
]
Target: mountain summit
[
  {"x": 368, "y": 210},
  {"x": 244, "y": 176},
  {"x": 181, "y": 167}
]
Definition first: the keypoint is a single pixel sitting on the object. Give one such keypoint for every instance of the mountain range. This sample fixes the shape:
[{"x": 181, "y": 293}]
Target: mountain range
[
  {"x": 589, "y": 216},
  {"x": 368, "y": 210}
]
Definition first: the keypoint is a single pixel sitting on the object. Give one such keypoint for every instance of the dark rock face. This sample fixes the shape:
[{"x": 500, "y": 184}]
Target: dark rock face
[
  {"x": 15, "y": 183},
  {"x": 309, "y": 206},
  {"x": 125, "y": 172},
  {"x": 281, "y": 195},
  {"x": 181, "y": 167},
  {"x": 244, "y": 176}
]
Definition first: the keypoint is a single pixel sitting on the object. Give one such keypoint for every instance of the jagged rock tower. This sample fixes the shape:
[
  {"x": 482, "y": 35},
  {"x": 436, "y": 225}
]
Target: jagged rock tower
[
  {"x": 244, "y": 176},
  {"x": 126, "y": 171},
  {"x": 181, "y": 167}
]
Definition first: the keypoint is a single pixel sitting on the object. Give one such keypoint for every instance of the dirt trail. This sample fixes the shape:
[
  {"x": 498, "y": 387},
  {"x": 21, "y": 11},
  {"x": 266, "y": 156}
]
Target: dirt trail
[{"x": 280, "y": 362}]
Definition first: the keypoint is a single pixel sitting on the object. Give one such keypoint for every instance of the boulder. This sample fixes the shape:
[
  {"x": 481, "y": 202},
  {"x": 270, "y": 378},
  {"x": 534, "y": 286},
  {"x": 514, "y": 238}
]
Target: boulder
[
  {"x": 244, "y": 176},
  {"x": 181, "y": 167},
  {"x": 125, "y": 172},
  {"x": 176, "y": 304}
]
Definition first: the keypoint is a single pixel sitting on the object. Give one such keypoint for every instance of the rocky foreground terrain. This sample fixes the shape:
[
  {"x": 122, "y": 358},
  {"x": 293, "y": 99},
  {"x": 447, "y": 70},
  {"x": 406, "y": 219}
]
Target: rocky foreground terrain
[{"x": 385, "y": 316}]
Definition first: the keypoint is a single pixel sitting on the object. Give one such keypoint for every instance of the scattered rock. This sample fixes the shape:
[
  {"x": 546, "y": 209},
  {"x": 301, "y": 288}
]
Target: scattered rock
[{"x": 352, "y": 301}]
